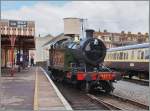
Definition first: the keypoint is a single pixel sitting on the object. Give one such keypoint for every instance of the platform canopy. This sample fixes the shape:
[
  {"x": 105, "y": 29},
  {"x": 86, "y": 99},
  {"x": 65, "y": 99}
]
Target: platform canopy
[
  {"x": 22, "y": 31},
  {"x": 55, "y": 40}
]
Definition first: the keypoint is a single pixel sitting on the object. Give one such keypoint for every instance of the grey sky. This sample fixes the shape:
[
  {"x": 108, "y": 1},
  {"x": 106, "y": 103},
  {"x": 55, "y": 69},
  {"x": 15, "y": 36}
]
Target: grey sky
[{"x": 114, "y": 16}]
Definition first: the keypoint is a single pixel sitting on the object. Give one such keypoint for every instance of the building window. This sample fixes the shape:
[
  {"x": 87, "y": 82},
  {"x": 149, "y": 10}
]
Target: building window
[
  {"x": 132, "y": 55},
  {"x": 129, "y": 38},
  {"x": 146, "y": 54},
  {"x": 13, "y": 28},
  {"x": 114, "y": 56},
  {"x": 118, "y": 56},
  {"x": 24, "y": 29},
  {"x": 116, "y": 38},
  {"x": 138, "y": 56},
  {"x": 109, "y": 56},
  {"x": 121, "y": 55},
  {"x": 127, "y": 55}
]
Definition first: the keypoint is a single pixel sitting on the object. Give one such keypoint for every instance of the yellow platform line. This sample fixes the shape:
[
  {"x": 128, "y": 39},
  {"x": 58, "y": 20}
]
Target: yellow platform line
[{"x": 36, "y": 92}]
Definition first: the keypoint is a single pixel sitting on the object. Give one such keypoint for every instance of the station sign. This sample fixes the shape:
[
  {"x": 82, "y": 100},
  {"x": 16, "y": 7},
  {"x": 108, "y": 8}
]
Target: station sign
[{"x": 19, "y": 24}]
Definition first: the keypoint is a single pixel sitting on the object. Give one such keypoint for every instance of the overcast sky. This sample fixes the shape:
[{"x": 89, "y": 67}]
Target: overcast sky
[{"x": 114, "y": 16}]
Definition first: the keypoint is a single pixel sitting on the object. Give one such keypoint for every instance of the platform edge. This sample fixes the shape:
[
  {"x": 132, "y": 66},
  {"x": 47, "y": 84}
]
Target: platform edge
[{"x": 64, "y": 101}]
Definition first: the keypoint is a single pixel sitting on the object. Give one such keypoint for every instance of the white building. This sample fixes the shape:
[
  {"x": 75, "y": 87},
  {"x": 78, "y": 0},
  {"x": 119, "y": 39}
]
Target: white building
[{"x": 42, "y": 52}]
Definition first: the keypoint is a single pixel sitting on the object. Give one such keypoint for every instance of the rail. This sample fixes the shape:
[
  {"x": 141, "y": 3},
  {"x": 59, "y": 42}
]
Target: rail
[
  {"x": 115, "y": 102},
  {"x": 137, "y": 81},
  {"x": 143, "y": 106},
  {"x": 108, "y": 105}
]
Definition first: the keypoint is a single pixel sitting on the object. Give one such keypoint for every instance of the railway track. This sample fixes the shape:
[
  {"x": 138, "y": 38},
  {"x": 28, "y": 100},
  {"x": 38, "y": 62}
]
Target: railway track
[
  {"x": 110, "y": 106},
  {"x": 133, "y": 102},
  {"x": 137, "y": 81},
  {"x": 115, "y": 101},
  {"x": 79, "y": 100}
]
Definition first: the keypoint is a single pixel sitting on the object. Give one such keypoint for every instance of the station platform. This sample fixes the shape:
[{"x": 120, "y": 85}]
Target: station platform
[{"x": 31, "y": 89}]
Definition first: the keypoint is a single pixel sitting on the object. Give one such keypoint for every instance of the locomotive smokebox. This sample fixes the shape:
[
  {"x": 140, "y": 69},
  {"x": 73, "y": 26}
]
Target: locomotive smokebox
[
  {"x": 89, "y": 33},
  {"x": 92, "y": 51}
]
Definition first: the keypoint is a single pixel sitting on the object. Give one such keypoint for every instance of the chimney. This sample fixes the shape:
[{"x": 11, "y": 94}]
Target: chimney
[
  {"x": 139, "y": 33},
  {"x": 99, "y": 30},
  {"x": 129, "y": 32},
  {"x": 105, "y": 30},
  {"x": 89, "y": 33},
  {"x": 122, "y": 32},
  {"x": 146, "y": 34}
]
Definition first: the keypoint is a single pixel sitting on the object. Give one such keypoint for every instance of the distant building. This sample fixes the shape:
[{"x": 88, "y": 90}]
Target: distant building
[
  {"x": 42, "y": 52},
  {"x": 121, "y": 39},
  {"x": 106, "y": 37}
]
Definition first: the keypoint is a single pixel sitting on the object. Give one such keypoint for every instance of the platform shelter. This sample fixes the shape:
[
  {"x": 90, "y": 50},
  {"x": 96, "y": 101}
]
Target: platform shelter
[{"x": 17, "y": 38}]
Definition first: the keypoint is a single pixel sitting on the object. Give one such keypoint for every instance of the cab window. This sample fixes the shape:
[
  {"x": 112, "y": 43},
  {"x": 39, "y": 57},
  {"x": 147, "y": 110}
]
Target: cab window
[
  {"x": 138, "y": 55},
  {"x": 142, "y": 54},
  {"x": 132, "y": 55},
  {"x": 121, "y": 55},
  {"x": 146, "y": 54}
]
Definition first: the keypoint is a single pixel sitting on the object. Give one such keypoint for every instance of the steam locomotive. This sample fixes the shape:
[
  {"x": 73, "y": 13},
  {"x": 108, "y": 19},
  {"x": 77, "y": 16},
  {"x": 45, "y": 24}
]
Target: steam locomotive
[{"x": 81, "y": 63}]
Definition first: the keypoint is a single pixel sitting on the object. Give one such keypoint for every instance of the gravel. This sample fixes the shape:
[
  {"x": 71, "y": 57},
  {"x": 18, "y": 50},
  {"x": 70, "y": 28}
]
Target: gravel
[{"x": 132, "y": 91}]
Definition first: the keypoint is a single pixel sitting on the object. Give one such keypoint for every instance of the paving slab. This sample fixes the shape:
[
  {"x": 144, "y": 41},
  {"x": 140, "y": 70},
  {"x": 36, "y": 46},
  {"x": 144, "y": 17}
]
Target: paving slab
[
  {"x": 47, "y": 96},
  {"x": 28, "y": 87},
  {"x": 18, "y": 92}
]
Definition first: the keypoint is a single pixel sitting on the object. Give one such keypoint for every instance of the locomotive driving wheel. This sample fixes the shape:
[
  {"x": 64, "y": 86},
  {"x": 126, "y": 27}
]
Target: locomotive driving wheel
[
  {"x": 107, "y": 86},
  {"x": 85, "y": 86}
]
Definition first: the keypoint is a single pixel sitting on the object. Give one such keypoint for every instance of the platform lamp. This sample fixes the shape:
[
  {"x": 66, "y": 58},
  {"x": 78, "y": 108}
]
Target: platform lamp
[{"x": 12, "y": 40}]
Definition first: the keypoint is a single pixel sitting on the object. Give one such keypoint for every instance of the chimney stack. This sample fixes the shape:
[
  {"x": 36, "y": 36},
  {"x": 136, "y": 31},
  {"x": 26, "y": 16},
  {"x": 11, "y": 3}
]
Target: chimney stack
[
  {"x": 122, "y": 32},
  {"x": 89, "y": 33},
  {"x": 129, "y": 32},
  {"x": 105, "y": 30},
  {"x": 146, "y": 34},
  {"x": 139, "y": 33}
]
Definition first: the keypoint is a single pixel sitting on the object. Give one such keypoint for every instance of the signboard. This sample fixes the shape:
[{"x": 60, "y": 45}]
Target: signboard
[
  {"x": 19, "y": 24},
  {"x": 131, "y": 64}
]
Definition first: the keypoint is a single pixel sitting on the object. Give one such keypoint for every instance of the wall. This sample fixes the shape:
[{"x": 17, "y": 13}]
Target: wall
[{"x": 41, "y": 52}]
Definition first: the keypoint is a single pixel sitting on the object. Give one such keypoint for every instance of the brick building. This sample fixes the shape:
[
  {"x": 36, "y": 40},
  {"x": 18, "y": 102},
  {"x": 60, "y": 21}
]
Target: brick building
[{"x": 120, "y": 39}]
